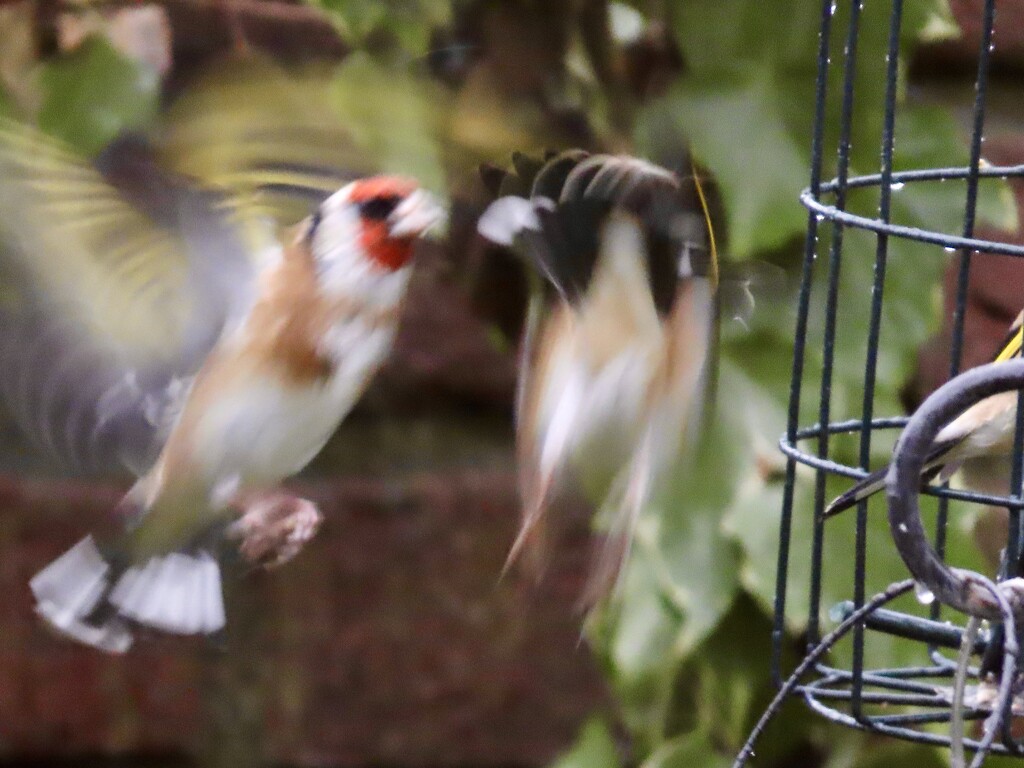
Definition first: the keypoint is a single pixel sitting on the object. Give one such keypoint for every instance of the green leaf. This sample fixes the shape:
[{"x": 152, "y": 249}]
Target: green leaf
[
  {"x": 931, "y": 21},
  {"x": 594, "y": 748},
  {"x": 684, "y": 574},
  {"x": 400, "y": 133},
  {"x": 356, "y": 20},
  {"x": 6, "y": 104},
  {"x": 691, "y": 749},
  {"x": 854, "y": 750},
  {"x": 747, "y": 105},
  {"x": 715, "y": 36},
  {"x": 637, "y": 637},
  {"x": 700, "y": 562},
  {"x": 736, "y": 127},
  {"x": 94, "y": 93},
  {"x": 928, "y": 137},
  {"x": 409, "y": 23},
  {"x": 723, "y": 688}
]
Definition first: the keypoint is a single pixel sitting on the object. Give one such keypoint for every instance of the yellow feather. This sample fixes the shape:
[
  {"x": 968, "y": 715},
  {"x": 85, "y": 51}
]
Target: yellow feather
[
  {"x": 1012, "y": 348},
  {"x": 707, "y": 220}
]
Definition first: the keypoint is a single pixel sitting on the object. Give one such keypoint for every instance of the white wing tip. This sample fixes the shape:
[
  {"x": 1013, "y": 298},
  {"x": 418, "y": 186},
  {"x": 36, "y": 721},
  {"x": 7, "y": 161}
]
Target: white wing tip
[{"x": 506, "y": 217}]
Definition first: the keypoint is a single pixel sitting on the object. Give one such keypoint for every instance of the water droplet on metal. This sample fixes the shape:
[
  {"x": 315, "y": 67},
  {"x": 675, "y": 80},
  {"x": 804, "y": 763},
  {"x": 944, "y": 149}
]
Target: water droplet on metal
[
  {"x": 896, "y": 186},
  {"x": 924, "y": 595},
  {"x": 949, "y": 249},
  {"x": 832, "y": 9},
  {"x": 839, "y": 611},
  {"x": 903, "y": 528}
]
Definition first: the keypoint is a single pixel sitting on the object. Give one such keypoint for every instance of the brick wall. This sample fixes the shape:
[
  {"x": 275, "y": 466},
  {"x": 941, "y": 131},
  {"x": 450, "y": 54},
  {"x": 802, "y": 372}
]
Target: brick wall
[{"x": 389, "y": 641}]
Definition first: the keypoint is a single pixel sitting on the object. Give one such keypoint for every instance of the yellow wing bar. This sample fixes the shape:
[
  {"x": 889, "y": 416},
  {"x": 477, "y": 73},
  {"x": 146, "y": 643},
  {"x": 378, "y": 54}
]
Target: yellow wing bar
[{"x": 1012, "y": 346}]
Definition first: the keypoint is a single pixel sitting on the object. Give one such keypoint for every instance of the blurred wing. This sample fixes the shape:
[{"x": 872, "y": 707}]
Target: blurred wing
[
  {"x": 274, "y": 137},
  {"x": 117, "y": 281},
  {"x": 542, "y": 378},
  {"x": 573, "y": 187},
  {"x": 560, "y": 226}
]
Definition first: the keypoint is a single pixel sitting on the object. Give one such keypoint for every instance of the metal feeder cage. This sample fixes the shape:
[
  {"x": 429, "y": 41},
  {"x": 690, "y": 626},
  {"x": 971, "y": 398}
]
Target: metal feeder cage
[{"x": 916, "y": 703}]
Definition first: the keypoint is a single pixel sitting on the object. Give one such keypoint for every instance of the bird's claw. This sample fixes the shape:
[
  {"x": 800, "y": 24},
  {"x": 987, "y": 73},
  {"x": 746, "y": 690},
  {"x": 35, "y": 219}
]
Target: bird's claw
[{"x": 273, "y": 528}]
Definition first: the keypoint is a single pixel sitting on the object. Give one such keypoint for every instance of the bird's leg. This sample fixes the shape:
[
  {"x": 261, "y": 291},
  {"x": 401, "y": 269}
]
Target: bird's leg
[{"x": 273, "y": 526}]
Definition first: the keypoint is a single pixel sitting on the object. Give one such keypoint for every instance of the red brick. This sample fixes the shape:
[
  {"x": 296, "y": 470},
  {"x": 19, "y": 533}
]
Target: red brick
[{"x": 390, "y": 640}]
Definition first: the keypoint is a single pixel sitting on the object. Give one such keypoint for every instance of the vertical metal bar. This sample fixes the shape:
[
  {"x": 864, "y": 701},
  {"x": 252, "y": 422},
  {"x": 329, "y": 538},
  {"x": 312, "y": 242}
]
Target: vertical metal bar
[
  {"x": 970, "y": 206},
  {"x": 831, "y": 314},
  {"x": 874, "y": 327},
  {"x": 1012, "y": 561},
  {"x": 1012, "y": 558},
  {"x": 800, "y": 342},
  {"x": 1015, "y": 541}
]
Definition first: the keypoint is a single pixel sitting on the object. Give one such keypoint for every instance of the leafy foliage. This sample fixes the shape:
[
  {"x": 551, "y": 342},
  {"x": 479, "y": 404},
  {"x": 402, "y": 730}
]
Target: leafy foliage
[
  {"x": 686, "y": 645},
  {"x": 694, "y": 608},
  {"x": 94, "y": 93},
  {"x": 407, "y": 25}
]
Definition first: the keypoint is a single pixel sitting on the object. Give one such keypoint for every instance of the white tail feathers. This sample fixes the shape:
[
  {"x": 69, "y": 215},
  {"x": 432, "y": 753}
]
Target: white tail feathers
[
  {"x": 70, "y": 588},
  {"x": 177, "y": 592}
]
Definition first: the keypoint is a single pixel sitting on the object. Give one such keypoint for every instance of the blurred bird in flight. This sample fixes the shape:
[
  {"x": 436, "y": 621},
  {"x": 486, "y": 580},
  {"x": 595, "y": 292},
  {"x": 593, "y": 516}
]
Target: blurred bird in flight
[
  {"x": 166, "y": 324},
  {"x": 619, "y": 333}
]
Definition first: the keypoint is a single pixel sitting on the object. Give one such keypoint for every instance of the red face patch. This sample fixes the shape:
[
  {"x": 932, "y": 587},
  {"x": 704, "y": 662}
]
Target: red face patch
[
  {"x": 381, "y": 186},
  {"x": 390, "y": 253},
  {"x": 385, "y": 251}
]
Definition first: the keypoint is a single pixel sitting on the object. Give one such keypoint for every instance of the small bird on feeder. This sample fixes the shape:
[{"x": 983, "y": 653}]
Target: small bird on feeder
[
  {"x": 154, "y": 322},
  {"x": 619, "y": 333},
  {"x": 978, "y": 442}
]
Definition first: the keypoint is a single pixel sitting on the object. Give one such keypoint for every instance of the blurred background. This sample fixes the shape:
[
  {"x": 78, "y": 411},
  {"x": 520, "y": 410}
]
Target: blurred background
[{"x": 391, "y": 640}]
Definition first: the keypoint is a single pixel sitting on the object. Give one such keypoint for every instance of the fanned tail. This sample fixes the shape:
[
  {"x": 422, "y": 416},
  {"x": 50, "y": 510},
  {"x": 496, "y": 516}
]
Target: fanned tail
[{"x": 85, "y": 595}]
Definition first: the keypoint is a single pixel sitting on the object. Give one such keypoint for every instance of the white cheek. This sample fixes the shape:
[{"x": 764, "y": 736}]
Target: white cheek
[{"x": 335, "y": 244}]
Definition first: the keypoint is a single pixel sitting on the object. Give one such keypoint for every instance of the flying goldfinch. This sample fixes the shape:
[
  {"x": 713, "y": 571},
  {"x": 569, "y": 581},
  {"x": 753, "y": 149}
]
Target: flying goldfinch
[
  {"x": 168, "y": 326},
  {"x": 617, "y": 344}
]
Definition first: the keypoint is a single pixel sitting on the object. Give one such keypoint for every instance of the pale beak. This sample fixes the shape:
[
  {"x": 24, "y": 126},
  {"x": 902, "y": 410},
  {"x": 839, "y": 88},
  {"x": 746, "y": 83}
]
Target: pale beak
[{"x": 419, "y": 213}]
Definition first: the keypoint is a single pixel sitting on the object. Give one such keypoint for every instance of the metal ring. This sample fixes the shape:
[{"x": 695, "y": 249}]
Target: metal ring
[
  {"x": 957, "y": 588},
  {"x": 952, "y": 242}
]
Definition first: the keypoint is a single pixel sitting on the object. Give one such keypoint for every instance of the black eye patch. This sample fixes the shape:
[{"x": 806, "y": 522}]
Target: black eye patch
[
  {"x": 379, "y": 208},
  {"x": 314, "y": 222}
]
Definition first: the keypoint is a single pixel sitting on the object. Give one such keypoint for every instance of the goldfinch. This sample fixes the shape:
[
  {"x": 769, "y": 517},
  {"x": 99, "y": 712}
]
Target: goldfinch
[
  {"x": 153, "y": 322},
  {"x": 618, "y": 339},
  {"x": 981, "y": 434}
]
